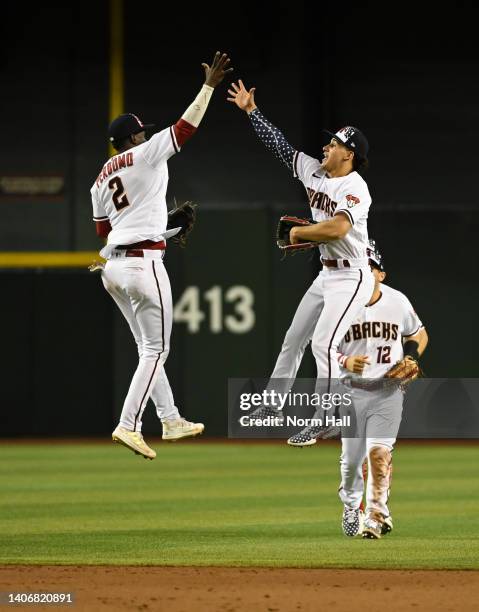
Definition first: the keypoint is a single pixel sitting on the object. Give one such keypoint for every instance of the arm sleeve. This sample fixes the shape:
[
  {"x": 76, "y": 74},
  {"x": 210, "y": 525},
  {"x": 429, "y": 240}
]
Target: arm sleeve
[
  {"x": 161, "y": 147},
  {"x": 272, "y": 138},
  {"x": 354, "y": 204},
  {"x": 99, "y": 213},
  {"x": 103, "y": 228},
  {"x": 411, "y": 322}
]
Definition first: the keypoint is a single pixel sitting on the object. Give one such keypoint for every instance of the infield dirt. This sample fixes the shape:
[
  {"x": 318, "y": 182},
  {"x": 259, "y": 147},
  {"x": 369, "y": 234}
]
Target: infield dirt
[{"x": 188, "y": 589}]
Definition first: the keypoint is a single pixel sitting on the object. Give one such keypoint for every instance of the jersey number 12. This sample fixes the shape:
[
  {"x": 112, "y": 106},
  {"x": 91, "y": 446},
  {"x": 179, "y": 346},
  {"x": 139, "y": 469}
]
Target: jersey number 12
[{"x": 384, "y": 354}]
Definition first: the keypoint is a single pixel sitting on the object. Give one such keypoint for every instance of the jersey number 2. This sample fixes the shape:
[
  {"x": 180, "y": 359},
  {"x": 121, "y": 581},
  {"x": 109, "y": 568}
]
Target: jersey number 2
[
  {"x": 119, "y": 196},
  {"x": 384, "y": 354}
]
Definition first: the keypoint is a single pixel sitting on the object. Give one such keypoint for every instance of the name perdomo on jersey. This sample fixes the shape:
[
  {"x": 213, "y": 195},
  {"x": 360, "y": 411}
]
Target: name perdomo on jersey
[{"x": 116, "y": 163}]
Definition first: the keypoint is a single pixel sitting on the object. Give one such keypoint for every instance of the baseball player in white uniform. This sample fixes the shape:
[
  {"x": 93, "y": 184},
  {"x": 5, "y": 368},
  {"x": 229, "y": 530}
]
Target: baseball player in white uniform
[
  {"x": 339, "y": 201},
  {"x": 383, "y": 333},
  {"x": 129, "y": 208}
]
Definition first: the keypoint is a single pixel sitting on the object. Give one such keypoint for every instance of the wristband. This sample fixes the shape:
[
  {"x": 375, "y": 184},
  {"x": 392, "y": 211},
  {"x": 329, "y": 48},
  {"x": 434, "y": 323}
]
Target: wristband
[{"x": 410, "y": 349}]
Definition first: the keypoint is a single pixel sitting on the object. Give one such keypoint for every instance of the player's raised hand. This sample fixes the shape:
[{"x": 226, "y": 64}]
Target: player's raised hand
[
  {"x": 357, "y": 363},
  {"x": 219, "y": 68},
  {"x": 243, "y": 98}
]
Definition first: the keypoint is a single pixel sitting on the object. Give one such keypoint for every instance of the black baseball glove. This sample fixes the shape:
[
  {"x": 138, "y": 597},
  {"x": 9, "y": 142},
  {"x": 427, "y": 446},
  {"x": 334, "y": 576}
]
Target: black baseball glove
[
  {"x": 282, "y": 235},
  {"x": 183, "y": 216}
]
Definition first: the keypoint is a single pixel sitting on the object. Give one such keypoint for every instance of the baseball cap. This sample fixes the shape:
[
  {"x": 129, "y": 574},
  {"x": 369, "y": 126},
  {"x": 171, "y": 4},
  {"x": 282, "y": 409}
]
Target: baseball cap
[
  {"x": 353, "y": 139},
  {"x": 375, "y": 257},
  {"x": 125, "y": 125}
]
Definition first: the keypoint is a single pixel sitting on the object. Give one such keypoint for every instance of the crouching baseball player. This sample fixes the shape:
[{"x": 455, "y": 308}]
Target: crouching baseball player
[
  {"x": 386, "y": 331},
  {"x": 129, "y": 209}
]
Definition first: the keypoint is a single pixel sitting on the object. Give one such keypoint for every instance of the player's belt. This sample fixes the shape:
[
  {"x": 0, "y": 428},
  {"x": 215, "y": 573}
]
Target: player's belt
[
  {"x": 136, "y": 249},
  {"x": 360, "y": 262},
  {"x": 375, "y": 385},
  {"x": 336, "y": 263}
]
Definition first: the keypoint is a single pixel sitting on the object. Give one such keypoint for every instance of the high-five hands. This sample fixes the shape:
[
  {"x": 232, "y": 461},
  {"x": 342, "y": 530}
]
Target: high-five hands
[
  {"x": 218, "y": 70},
  {"x": 243, "y": 98}
]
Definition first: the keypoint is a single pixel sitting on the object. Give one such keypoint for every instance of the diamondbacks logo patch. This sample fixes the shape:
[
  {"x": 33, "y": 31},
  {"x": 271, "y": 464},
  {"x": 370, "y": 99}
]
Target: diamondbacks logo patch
[{"x": 352, "y": 201}]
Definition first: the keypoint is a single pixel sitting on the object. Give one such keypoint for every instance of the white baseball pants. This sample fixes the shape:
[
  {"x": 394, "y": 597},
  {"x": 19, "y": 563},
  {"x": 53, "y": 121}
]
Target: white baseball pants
[
  {"x": 141, "y": 289},
  {"x": 323, "y": 317},
  {"x": 378, "y": 417}
]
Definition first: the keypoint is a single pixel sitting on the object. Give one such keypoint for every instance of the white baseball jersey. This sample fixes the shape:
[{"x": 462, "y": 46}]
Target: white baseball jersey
[
  {"x": 130, "y": 190},
  {"x": 378, "y": 331},
  {"x": 329, "y": 196}
]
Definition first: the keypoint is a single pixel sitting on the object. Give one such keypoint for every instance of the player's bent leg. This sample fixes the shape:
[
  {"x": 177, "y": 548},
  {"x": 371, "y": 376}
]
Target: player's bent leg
[
  {"x": 345, "y": 294},
  {"x": 294, "y": 344},
  {"x": 113, "y": 280}
]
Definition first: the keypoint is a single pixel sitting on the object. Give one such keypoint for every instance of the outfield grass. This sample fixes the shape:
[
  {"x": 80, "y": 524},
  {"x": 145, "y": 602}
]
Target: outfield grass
[{"x": 229, "y": 504}]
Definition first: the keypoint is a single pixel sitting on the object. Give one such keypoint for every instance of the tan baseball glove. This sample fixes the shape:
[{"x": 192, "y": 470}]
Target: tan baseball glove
[{"x": 404, "y": 371}]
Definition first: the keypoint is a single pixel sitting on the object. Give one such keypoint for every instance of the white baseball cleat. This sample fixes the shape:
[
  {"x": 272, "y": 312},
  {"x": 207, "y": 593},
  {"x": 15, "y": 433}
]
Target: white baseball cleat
[
  {"x": 181, "y": 428},
  {"x": 372, "y": 529},
  {"x": 134, "y": 441}
]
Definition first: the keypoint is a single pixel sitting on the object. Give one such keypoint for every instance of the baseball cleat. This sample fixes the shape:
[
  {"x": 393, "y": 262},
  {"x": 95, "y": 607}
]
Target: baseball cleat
[
  {"x": 372, "y": 529},
  {"x": 265, "y": 412},
  {"x": 134, "y": 441},
  {"x": 309, "y": 435},
  {"x": 181, "y": 428},
  {"x": 352, "y": 521},
  {"x": 387, "y": 525}
]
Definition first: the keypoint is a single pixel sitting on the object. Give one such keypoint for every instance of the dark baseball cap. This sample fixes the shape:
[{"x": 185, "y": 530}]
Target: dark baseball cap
[
  {"x": 125, "y": 125},
  {"x": 353, "y": 139}
]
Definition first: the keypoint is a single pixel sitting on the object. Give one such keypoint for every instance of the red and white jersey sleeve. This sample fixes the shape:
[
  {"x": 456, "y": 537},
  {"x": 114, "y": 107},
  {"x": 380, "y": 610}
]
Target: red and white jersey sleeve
[
  {"x": 378, "y": 332},
  {"x": 130, "y": 191},
  {"x": 99, "y": 212},
  {"x": 354, "y": 201},
  {"x": 160, "y": 147}
]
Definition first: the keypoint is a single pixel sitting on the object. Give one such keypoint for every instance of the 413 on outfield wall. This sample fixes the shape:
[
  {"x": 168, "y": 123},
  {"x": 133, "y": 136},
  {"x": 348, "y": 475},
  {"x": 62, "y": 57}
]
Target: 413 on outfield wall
[{"x": 221, "y": 309}]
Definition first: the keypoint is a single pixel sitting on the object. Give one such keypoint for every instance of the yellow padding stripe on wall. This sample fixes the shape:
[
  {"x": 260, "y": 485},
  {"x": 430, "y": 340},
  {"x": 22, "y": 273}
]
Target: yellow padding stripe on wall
[{"x": 56, "y": 259}]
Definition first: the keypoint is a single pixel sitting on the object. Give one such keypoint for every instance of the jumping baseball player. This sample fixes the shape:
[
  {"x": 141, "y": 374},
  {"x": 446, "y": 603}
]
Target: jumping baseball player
[
  {"x": 386, "y": 331},
  {"x": 129, "y": 209},
  {"x": 339, "y": 201}
]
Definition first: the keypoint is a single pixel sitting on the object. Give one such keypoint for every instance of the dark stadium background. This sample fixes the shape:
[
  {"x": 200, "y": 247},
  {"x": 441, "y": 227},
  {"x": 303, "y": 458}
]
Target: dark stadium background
[{"x": 409, "y": 80}]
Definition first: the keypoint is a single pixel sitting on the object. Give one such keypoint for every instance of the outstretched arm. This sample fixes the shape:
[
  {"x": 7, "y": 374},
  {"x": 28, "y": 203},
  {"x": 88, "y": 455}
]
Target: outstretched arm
[
  {"x": 270, "y": 135},
  {"x": 186, "y": 126}
]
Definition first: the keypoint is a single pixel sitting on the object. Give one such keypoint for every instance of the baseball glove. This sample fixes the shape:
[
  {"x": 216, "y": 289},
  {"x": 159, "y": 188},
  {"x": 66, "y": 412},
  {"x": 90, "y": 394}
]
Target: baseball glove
[
  {"x": 183, "y": 216},
  {"x": 285, "y": 224},
  {"x": 404, "y": 371}
]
